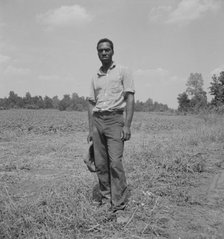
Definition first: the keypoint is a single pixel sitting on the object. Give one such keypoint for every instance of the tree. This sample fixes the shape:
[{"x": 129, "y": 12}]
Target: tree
[
  {"x": 55, "y": 102},
  {"x": 38, "y": 102},
  {"x": 28, "y": 99},
  {"x": 198, "y": 101},
  {"x": 74, "y": 101},
  {"x": 139, "y": 106},
  {"x": 194, "y": 84},
  {"x": 194, "y": 98},
  {"x": 78, "y": 103},
  {"x": 217, "y": 89},
  {"x": 184, "y": 102},
  {"x": 148, "y": 105},
  {"x": 65, "y": 102},
  {"x": 14, "y": 100},
  {"x": 48, "y": 103}
]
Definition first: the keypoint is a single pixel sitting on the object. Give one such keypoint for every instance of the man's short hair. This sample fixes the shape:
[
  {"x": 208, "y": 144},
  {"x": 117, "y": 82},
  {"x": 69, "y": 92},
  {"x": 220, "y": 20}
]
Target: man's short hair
[{"x": 105, "y": 40}]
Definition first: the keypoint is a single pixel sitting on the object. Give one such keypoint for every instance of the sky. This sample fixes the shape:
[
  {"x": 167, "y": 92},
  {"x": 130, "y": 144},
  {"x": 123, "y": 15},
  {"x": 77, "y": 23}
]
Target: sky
[{"x": 48, "y": 47}]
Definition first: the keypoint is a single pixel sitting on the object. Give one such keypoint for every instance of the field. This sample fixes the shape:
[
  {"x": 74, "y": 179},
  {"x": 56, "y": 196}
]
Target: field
[{"x": 174, "y": 166}]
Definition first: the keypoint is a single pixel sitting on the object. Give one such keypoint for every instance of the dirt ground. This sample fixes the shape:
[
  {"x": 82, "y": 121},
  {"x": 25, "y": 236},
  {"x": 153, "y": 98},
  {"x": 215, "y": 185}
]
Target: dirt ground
[{"x": 171, "y": 199}]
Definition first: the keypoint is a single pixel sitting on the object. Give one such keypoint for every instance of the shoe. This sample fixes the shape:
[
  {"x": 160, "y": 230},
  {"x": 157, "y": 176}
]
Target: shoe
[
  {"x": 105, "y": 206},
  {"x": 119, "y": 208}
]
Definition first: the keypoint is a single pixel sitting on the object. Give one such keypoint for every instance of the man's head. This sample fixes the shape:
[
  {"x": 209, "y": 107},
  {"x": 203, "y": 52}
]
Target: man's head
[
  {"x": 105, "y": 49},
  {"x": 105, "y": 40}
]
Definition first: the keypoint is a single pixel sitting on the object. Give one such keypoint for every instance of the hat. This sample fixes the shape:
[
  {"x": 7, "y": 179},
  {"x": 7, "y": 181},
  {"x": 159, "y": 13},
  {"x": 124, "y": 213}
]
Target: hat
[{"x": 89, "y": 160}]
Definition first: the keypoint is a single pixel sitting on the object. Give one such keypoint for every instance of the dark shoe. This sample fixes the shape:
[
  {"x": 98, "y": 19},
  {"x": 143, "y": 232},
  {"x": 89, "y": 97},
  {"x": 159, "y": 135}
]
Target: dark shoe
[
  {"x": 105, "y": 206},
  {"x": 119, "y": 208}
]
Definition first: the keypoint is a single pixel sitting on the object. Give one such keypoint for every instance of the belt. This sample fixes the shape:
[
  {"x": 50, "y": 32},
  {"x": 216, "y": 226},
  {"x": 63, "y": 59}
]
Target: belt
[{"x": 107, "y": 112}]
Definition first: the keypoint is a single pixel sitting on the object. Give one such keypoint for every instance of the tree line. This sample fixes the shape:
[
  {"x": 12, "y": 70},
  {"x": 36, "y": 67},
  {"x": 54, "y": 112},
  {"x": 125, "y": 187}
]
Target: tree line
[
  {"x": 68, "y": 102},
  {"x": 150, "y": 106},
  {"x": 194, "y": 98},
  {"x": 73, "y": 102}
]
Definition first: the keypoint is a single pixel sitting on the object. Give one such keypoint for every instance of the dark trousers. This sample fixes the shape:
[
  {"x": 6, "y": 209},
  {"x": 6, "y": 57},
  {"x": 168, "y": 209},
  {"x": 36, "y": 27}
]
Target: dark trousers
[{"x": 108, "y": 152}]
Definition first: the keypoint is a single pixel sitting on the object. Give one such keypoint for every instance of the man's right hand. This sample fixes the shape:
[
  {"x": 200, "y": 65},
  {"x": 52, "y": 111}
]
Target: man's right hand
[{"x": 90, "y": 138}]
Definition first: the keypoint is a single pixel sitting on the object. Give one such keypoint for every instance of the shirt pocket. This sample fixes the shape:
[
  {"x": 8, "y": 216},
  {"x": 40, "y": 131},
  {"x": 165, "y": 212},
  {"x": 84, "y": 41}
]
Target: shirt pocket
[{"x": 115, "y": 86}]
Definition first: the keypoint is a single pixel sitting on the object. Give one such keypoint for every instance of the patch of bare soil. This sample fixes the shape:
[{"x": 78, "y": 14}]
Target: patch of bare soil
[{"x": 201, "y": 216}]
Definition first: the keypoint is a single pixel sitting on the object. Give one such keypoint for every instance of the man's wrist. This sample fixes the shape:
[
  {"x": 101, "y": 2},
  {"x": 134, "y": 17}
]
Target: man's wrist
[{"x": 127, "y": 125}]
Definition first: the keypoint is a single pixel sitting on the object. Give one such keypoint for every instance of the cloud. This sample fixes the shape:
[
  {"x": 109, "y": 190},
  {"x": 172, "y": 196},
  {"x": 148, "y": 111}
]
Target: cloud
[
  {"x": 158, "y": 71},
  {"x": 190, "y": 10},
  {"x": 4, "y": 59},
  {"x": 185, "y": 12},
  {"x": 151, "y": 75},
  {"x": 217, "y": 70},
  {"x": 56, "y": 78},
  {"x": 159, "y": 13},
  {"x": 48, "y": 77},
  {"x": 12, "y": 70},
  {"x": 2, "y": 24},
  {"x": 65, "y": 16}
]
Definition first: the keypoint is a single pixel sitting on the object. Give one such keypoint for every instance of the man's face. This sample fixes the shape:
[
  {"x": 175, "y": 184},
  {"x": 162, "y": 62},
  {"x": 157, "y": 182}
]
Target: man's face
[{"x": 105, "y": 52}]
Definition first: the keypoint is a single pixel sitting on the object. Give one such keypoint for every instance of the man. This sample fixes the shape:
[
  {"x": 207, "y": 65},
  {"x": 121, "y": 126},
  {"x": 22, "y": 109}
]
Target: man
[{"x": 112, "y": 92}]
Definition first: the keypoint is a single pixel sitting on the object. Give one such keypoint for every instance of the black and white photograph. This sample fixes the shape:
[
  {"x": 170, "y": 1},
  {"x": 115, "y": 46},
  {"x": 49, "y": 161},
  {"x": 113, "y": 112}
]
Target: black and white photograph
[{"x": 111, "y": 119}]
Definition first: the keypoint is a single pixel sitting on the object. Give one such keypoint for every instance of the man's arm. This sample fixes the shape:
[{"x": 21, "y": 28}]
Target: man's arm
[
  {"x": 90, "y": 118},
  {"x": 130, "y": 104}
]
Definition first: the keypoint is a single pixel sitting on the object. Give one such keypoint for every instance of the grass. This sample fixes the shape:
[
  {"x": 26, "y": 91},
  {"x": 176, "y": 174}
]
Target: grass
[{"x": 46, "y": 190}]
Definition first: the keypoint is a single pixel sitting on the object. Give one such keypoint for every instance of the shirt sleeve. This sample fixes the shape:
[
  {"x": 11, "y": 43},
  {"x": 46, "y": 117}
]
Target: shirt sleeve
[
  {"x": 128, "y": 80},
  {"x": 92, "y": 96}
]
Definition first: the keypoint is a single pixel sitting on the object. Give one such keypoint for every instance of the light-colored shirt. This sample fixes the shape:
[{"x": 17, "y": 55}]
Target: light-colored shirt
[{"x": 108, "y": 90}]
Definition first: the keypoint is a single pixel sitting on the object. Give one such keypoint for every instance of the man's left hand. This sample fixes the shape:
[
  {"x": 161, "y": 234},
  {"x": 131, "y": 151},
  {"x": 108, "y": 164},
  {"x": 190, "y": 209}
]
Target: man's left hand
[{"x": 126, "y": 133}]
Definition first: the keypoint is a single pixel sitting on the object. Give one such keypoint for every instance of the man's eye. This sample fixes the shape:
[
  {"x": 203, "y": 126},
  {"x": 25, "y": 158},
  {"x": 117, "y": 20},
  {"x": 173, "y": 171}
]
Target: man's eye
[{"x": 104, "y": 50}]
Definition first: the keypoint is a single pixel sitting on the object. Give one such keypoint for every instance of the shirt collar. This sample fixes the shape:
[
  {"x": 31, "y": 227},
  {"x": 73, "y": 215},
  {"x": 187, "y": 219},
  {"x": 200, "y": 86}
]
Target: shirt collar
[{"x": 100, "y": 73}]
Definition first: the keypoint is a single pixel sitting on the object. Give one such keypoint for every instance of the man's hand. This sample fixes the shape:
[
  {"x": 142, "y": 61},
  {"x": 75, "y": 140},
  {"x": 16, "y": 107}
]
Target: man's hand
[
  {"x": 126, "y": 133},
  {"x": 90, "y": 137}
]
